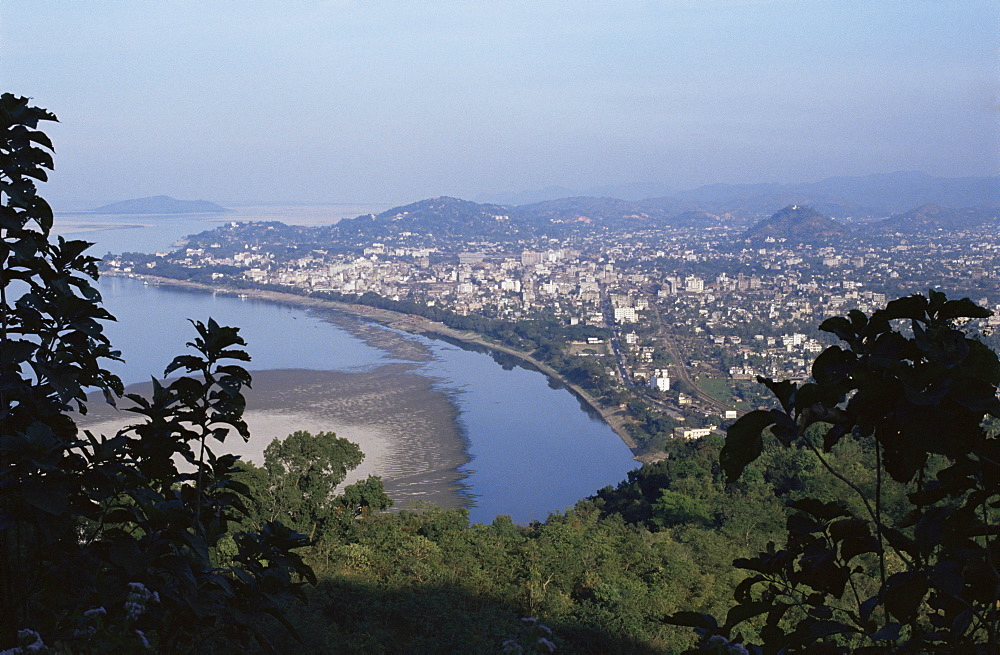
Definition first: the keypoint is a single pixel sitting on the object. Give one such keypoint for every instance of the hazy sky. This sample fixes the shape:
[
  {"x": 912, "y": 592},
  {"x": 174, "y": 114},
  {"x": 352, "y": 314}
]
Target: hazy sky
[{"x": 238, "y": 101}]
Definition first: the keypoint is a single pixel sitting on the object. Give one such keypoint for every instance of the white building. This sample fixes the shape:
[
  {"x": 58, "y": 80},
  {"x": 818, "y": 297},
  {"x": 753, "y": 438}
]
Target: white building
[
  {"x": 660, "y": 380},
  {"x": 694, "y": 284},
  {"x": 626, "y": 315},
  {"x": 693, "y": 433}
]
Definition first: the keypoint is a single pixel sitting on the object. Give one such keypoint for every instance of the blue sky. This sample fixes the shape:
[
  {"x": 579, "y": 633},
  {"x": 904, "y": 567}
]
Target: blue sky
[{"x": 243, "y": 101}]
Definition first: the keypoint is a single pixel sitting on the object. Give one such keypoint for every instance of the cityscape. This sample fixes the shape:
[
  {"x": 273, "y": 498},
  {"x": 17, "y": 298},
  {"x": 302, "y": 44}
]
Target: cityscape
[{"x": 682, "y": 319}]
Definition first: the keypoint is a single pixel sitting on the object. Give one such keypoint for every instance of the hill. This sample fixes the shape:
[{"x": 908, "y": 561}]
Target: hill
[
  {"x": 859, "y": 196},
  {"x": 796, "y": 224},
  {"x": 161, "y": 205},
  {"x": 583, "y": 210},
  {"x": 441, "y": 216},
  {"x": 934, "y": 218}
]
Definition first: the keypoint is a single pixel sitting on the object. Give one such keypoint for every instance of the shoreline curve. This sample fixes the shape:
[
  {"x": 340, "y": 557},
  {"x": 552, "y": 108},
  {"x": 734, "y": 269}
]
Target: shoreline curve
[{"x": 614, "y": 418}]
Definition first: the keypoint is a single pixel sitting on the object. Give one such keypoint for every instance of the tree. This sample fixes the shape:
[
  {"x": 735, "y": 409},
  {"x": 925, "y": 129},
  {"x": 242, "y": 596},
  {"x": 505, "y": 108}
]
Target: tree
[
  {"x": 105, "y": 544},
  {"x": 873, "y": 580},
  {"x": 298, "y": 480},
  {"x": 673, "y": 508}
]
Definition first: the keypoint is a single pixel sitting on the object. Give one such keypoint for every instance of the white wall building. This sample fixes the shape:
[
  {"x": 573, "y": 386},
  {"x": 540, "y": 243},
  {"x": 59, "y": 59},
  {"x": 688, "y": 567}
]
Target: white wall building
[
  {"x": 660, "y": 380},
  {"x": 626, "y": 315}
]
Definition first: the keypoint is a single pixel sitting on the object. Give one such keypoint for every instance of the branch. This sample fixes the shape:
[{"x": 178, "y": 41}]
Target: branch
[{"x": 860, "y": 493}]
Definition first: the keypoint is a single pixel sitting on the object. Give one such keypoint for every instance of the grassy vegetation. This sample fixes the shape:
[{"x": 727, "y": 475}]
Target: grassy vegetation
[{"x": 719, "y": 388}]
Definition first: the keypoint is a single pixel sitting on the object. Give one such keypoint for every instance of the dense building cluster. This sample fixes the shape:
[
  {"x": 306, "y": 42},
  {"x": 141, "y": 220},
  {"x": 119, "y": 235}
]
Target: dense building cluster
[{"x": 698, "y": 305}]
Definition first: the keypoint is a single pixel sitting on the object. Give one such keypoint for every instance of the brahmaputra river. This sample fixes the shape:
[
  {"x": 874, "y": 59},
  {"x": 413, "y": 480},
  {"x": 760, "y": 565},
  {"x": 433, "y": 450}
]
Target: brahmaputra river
[{"x": 532, "y": 448}]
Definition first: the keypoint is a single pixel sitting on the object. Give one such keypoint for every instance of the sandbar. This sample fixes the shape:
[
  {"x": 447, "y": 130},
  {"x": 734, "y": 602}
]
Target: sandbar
[{"x": 406, "y": 428}]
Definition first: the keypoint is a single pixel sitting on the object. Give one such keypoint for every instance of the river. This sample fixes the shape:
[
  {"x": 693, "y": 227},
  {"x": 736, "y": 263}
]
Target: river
[{"x": 532, "y": 449}]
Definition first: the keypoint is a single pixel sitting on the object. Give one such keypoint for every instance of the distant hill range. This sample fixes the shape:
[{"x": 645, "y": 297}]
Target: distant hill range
[
  {"x": 446, "y": 216},
  {"x": 931, "y": 218},
  {"x": 860, "y": 197},
  {"x": 161, "y": 205},
  {"x": 454, "y": 217},
  {"x": 796, "y": 224}
]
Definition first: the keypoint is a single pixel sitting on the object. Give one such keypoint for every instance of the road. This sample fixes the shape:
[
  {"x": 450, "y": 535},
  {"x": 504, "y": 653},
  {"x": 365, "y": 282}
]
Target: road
[{"x": 609, "y": 320}]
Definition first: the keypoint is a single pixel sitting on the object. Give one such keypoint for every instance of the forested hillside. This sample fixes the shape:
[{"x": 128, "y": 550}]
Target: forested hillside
[{"x": 602, "y": 576}]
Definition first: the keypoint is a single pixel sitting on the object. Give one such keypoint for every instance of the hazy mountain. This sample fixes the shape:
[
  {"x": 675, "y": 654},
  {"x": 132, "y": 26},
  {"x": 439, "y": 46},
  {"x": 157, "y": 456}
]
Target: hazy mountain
[
  {"x": 870, "y": 195},
  {"x": 796, "y": 224},
  {"x": 613, "y": 212},
  {"x": 633, "y": 191},
  {"x": 697, "y": 219},
  {"x": 161, "y": 205},
  {"x": 528, "y": 197},
  {"x": 441, "y": 216},
  {"x": 726, "y": 205},
  {"x": 934, "y": 218},
  {"x": 867, "y": 196},
  {"x": 582, "y": 209}
]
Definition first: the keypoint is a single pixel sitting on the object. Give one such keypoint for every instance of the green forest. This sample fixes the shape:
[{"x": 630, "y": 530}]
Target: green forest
[{"x": 857, "y": 515}]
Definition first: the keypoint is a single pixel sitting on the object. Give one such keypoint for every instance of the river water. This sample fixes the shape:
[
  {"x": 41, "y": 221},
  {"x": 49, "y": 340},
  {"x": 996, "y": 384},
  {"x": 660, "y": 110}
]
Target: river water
[{"x": 533, "y": 449}]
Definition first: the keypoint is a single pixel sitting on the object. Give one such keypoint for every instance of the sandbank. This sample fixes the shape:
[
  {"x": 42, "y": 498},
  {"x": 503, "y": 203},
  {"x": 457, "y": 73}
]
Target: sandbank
[{"x": 405, "y": 427}]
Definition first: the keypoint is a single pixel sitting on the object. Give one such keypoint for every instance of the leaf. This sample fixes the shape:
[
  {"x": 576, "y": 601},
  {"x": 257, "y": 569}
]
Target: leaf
[
  {"x": 903, "y": 594},
  {"x": 188, "y": 362},
  {"x": 963, "y": 308},
  {"x": 784, "y": 429},
  {"x": 834, "y": 434},
  {"x": 841, "y": 327},
  {"x": 45, "y": 495},
  {"x": 889, "y": 632},
  {"x": 866, "y": 609},
  {"x": 833, "y": 366},
  {"x": 930, "y": 529},
  {"x": 947, "y": 577},
  {"x": 783, "y": 391},
  {"x": 823, "y": 511},
  {"x": 741, "y": 613},
  {"x": 826, "y": 628},
  {"x": 849, "y": 527},
  {"x": 693, "y": 620},
  {"x": 851, "y": 547},
  {"x": 743, "y": 589},
  {"x": 744, "y": 443},
  {"x": 912, "y": 307},
  {"x": 900, "y": 541}
]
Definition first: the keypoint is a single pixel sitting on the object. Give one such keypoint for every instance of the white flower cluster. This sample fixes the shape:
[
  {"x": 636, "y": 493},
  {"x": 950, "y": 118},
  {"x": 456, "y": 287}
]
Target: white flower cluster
[
  {"x": 29, "y": 641},
  {"x": 513, "y": 646},
  {"x": 139, "y": 599}
]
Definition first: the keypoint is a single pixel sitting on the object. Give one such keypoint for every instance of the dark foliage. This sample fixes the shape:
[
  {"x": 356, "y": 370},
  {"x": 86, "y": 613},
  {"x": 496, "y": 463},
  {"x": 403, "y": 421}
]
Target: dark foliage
[
  {"x": 107, "y": 543},
  {"x": 872, "y": 580}
]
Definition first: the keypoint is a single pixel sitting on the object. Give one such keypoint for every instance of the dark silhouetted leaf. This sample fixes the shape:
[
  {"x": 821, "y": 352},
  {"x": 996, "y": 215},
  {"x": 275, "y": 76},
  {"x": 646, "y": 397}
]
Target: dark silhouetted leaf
[
  {"x": 693, "y": 620},
  {"x": 743, "y": 443},
  {"x": 903, "y": 594},
  {"x": 783, "y": 391}
]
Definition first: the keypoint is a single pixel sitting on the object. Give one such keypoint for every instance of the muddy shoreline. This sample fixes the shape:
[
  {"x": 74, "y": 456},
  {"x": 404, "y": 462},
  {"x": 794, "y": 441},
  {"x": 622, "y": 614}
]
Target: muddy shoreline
[{"x": 408, "y": 430}]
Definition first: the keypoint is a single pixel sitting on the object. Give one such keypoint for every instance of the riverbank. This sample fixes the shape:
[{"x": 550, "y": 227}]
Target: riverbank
[
  {"x": 406, "y": 429},
  {"x": 615, "y": 418}
]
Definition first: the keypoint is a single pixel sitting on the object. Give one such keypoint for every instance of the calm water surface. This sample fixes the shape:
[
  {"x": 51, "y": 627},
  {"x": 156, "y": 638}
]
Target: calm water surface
[{"x": 533, "y": 448}]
